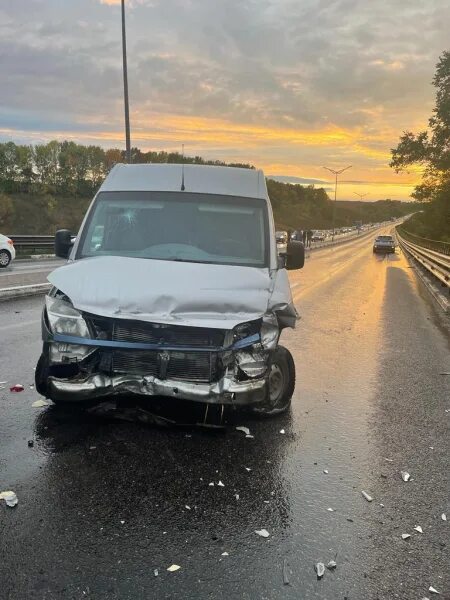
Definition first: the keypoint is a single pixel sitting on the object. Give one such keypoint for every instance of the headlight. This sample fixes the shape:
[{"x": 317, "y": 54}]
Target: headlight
[
  {"x": 253, "y": 363},
  {"x": 63, "y": 318}
]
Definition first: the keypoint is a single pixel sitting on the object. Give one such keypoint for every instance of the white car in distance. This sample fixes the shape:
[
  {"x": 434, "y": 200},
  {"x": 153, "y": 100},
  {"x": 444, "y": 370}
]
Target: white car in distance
[{"x": 7, "y": 251}]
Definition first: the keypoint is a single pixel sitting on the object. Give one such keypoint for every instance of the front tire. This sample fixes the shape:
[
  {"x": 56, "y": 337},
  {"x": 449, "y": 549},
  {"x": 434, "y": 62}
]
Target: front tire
[
  {"x": 280, "y": 384},
  {"x": 5, "y": 258}
]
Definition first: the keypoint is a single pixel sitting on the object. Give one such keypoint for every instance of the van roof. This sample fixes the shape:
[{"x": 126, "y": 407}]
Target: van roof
[{"x": 227, "y": 181}]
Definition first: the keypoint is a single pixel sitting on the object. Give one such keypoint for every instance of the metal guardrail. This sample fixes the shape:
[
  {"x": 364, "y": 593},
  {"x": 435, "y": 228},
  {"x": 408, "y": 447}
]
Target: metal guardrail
[
  {"x": 435, "y": 262},
  {"x": 25, "y": 243}
]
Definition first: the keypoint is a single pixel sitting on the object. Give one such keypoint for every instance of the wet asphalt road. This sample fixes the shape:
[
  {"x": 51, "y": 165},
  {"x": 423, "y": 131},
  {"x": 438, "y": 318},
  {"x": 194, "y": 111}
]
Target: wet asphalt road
[
  {"x": 102, "y": 504},
  {"x": 27, "y": 272}
]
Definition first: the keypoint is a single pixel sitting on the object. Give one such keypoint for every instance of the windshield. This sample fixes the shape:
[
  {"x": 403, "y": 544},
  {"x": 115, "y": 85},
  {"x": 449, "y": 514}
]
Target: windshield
[{"x": 178, "y": 226}]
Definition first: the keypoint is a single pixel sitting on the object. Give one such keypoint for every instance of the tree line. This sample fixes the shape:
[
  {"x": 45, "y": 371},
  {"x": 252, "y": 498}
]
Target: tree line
[
  {"x": 431, "y": 150},
  {"x": 66, "y": 168},
  {"x": 44, "y": 187}
]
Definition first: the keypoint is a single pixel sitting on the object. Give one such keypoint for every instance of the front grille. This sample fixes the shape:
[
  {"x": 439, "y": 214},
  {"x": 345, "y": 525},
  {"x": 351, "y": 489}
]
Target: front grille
[
  {"x": 186, "y": 366},
  {"x": 120, "y": 330}
]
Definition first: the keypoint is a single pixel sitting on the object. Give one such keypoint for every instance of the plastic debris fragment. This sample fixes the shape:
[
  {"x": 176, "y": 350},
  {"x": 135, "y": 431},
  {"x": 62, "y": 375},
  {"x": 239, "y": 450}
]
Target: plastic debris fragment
[
  {"x": 262, "y": 532},
  {"x": 405, "y": 475},
  {"x": 30, "y": 443},
  {"x": 331, "y": 565},
  {"x": 225, "y": 554},
  {"x": 285, "y": 572},
  {"x": 173, "y": 568},
  {"x": 325, "y": 471},
  {"x": 319, "y": 568},
  {"x": 187, "y": 507},
  {"x": 236, "y": 496},
  {"x": 418, "y": 528},
  {"x": 211, "y": 484},
  {"x": 405, "y": 536},
  {"x": 251, "y": 437},
  {"x": 247, "y": 469},
  {"x": 330, "y": 509},
  {"x": 122, "y": 522},
  {"x": 389, "y": 459},
  {"x": 40, "y": 403},
  {"x": 366, "y": 496},
  {"x": 444, "y": 517},
  {"x": 18, "y": 387},
  {"x": 9, "y": 497},
  {"x": 155, "y": 572},
  {"x": 282, "y": 431},
  {"x": 220, "y": 484},
  {"x": 433, "y": 590},
  {"x": 245, "y": 430}
]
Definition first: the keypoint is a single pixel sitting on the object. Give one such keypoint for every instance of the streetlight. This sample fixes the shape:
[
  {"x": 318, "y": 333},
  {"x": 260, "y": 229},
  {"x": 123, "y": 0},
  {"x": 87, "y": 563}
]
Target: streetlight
[
  {"x": 361, "y": 196},
  {"x": 336, "y": 173},
  {"x": 125, "y": 86}
]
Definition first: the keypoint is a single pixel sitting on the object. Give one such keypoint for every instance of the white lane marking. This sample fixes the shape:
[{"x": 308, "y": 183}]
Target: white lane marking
[{"x": 20, "y": 324}]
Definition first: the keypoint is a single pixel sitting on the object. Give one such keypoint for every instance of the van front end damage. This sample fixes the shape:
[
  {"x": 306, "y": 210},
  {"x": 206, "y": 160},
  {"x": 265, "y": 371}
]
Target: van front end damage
[{"x": 90, "y": 357}]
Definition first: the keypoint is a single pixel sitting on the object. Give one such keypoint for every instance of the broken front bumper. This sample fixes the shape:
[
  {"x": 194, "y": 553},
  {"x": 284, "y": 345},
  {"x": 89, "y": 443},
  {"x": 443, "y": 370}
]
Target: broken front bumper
[{"x": 225, "y": 391}]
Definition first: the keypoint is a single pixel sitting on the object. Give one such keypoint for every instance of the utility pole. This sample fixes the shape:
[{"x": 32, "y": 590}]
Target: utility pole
[
  {"x": 336, "y": 173},
  {"x": 125, "y": 87}
]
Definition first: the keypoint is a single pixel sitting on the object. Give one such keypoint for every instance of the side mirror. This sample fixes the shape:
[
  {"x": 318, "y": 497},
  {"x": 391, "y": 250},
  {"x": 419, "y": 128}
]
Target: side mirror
[
  {"x": 63, "y": 243},
  {"x": 295, "y": 255}
]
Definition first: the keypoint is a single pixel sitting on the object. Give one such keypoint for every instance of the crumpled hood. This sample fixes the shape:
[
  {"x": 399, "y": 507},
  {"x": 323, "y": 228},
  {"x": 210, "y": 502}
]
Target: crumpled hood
[{"x": 193, "y": 294}]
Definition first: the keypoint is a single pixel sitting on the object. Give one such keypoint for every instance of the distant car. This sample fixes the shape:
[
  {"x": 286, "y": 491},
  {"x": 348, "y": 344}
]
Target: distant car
[
  {"x": 318, "y": 236},
  {"x": 384, "y": 244},
  {"x": 7, "y": 251},
  {"x": 281, "y": 237}
]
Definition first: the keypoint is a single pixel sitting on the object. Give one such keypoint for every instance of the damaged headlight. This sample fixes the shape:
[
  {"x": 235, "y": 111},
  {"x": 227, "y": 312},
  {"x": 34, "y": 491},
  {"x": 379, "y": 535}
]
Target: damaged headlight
[
  {"x": 63, "y": 318},
  {"x": 252, "y": 362}
]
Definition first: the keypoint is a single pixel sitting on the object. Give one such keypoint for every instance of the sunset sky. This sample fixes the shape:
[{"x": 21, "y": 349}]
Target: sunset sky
[{"x": 287, "y": 85}]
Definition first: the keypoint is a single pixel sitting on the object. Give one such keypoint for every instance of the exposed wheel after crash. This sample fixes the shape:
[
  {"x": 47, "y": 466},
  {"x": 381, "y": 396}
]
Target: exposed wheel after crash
[{"x": 174, "y": 287}]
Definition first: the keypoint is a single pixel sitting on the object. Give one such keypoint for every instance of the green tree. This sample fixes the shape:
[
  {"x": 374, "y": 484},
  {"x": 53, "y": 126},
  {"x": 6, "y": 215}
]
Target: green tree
[{"x": 431, "y": 150}]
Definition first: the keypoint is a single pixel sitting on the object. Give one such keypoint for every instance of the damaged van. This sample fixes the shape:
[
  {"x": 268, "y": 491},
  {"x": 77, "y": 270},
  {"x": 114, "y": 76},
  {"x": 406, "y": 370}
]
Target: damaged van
[{"x": 173, "y": 288}]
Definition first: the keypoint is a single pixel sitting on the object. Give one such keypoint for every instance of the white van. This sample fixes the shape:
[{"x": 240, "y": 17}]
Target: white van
[{"x": 173, "y": 288}]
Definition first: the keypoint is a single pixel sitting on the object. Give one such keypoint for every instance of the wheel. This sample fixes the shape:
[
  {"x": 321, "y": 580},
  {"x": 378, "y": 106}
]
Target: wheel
[
  {"x": 280, "y": 384},
  {"x": 41, "y": 374},
  {"x": 5, "y": 258}
]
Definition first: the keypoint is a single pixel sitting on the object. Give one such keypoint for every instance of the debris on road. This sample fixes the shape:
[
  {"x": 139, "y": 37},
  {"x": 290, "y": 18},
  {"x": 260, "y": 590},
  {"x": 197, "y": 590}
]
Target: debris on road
[
  {"x": 405, "y": 475},
  {"x": 282, "y": 431},
  {"x": 418, "y": 528},
  {"x": 285, "y": 572},
  {"x": 389, "y": 459},
  {"x": 330, "y": 509},
  {"x": 319, "y": 568},
  {"x": 155, "y": 572},
  {"x": 225, "y": 554},
  {"x": 366, "y": 496},
  {"x": 30, "y": 443},
  {"x": 262, "y": 532},
  {"x": 173, "y": 568},
  {"x": 444, "y": 517},
  {"x": 236, "y": 496},
  {"x": 211, "y": 484},
  {"x": 250, "y": 437},
  {"x": 9, "y": 497},
  {"x": 40, "y": 403},
  {"x": 245, "y": 430},
  {"x": 332, "y": 564},
  {"x": 432, "y": 590},
  {"x": 18, "y": 387},
  {"x": 187, "y": 507},
  {"x": 325, "y": 471},
  {"x": 405, "y": 536},
  {"x": 220, "y": 484}
]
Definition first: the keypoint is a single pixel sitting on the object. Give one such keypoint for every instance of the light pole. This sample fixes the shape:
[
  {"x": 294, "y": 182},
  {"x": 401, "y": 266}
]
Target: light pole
[
  {"x": 361, "y": 196},
  {"x": 336, "y": 173},
  {"x": 125, "y": 86}
]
